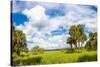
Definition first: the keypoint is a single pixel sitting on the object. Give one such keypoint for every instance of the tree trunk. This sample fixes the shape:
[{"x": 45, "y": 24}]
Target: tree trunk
[{"x": 71, "y": 46}]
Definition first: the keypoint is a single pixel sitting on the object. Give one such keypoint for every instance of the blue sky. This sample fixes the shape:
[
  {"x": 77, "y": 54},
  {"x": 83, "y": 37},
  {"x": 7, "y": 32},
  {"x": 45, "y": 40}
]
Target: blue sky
[
  {"x": 47, "y": 24},
  {"x": 59, "y": 31},
  {"x": 19, "y": 18}
]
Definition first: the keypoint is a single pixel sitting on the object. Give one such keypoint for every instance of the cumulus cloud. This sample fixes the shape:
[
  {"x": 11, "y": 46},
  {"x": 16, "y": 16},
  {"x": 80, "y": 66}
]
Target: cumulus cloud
[{"x": 39, "y": 28}]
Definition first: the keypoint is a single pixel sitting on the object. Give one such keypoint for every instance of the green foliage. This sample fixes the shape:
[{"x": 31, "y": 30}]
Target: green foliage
[
  {"x": 92, "y": 42},
  {"x": 93, "y": 35},
  {"x": 77, "y": 35}
]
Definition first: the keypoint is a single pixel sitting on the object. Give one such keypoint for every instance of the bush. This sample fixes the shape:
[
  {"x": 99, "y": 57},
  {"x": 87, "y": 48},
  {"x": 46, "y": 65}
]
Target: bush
[
  {"x": 87, "y": 58},
  {"x": 28, "y": 60},
  {"x": 38, "y": 51}
]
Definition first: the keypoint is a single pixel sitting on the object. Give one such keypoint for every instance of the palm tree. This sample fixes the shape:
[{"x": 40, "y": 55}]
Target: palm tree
[
  {"x": 18, "y": 41},
  {"x": 77, "y": 34},
  {"x": 83, "y": 38},
  {"x": 70, "y": 41},
  {"x": 72, "y": 32}
]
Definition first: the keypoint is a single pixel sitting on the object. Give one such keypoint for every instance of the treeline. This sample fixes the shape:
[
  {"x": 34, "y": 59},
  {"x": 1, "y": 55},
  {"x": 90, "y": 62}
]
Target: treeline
[{"x": 77, "y": 39}]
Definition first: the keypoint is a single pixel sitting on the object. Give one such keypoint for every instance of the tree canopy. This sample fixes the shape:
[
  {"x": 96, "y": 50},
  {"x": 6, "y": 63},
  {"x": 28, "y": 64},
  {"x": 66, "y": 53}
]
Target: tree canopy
[{"x": 77, "y": 35}]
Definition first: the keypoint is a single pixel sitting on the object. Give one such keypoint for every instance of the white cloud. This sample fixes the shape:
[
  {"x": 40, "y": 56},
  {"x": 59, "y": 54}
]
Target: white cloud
[{"x": 36, "y": 13}]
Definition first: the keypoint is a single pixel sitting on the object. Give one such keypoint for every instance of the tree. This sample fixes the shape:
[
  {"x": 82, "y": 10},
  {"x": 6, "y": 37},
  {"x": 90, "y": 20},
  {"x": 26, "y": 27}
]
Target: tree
[
  {"x": 88, "y": 44},
  {"x": 92, "y": 42},
  {"x": 93, "y": 36},
  {"x": 83, "y": 38},
  {"x": 77, "y": 35},
  {"x": 70, "y": 41},
  {"x": 81, "y": 35},
  {"x": 72, "y": 33},
  {"x": 18, "y": 41}
]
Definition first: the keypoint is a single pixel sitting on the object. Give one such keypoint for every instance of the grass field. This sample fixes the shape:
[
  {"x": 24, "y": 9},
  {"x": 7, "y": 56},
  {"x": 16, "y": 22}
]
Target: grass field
[{"x": 55, "y": 57}]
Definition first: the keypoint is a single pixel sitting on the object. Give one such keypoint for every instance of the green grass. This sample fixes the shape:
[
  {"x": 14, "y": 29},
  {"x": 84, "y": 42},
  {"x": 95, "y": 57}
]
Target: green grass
[
  {"x": 56, "y": 57},
  {"x": 61, "y": 57}
]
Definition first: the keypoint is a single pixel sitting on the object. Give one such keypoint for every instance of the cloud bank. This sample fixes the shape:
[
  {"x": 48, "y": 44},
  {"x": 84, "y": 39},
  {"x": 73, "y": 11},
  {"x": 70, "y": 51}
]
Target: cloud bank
[{"x": 49, "y": 22}]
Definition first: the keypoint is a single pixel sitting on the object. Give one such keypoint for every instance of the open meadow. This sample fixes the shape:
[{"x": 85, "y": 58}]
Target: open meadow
[{"x": 56, "y": 57}]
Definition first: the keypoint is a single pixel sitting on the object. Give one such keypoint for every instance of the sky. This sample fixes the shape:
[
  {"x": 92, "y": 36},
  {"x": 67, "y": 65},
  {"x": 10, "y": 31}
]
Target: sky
[{"x": 46, "y": 24}]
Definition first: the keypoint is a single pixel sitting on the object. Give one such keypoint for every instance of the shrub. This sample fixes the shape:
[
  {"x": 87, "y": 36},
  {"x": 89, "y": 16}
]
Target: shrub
[
  {"x": 87, "y": 58},
  {"x": 38, "y": 51},
  {"x": 28, "y": 60}
]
